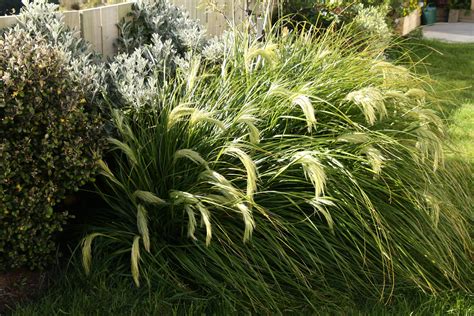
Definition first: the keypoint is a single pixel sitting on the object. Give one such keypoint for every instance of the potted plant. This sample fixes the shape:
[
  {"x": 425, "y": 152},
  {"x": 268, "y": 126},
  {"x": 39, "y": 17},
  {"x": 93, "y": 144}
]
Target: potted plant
[
  {"x": 406, "y": 15},
  {"x": 455, "y": 7}
]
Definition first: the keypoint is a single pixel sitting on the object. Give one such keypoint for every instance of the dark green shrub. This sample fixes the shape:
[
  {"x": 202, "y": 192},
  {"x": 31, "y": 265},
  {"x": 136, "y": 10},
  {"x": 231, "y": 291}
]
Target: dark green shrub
[
  {"x": 10, "y": 6},
  {"x": 460, "y": 4},
  {"x": 14, "y": 6},
  {"x": 49, "y": 141}
]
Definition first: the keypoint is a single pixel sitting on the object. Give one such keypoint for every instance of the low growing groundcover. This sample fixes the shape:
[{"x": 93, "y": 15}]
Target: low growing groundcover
[{"x": 298, "y": 175}]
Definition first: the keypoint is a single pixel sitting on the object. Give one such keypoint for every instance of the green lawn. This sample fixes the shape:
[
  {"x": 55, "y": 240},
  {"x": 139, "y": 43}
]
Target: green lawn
[{"x": 452, "y": 65}]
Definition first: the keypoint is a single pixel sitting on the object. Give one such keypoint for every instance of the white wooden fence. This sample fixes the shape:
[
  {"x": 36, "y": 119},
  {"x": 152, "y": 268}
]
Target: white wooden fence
[{"x": 99, "y": 25}]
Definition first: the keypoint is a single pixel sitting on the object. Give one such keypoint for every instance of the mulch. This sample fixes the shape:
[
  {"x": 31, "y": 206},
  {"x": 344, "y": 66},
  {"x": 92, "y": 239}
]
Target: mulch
[{"x": 20, "y": 286}]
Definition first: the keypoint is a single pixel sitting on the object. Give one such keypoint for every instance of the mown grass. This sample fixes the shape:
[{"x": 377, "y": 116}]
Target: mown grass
[
  {"x": 451, "y": 66},
  {"x": 72, "y": 294}
]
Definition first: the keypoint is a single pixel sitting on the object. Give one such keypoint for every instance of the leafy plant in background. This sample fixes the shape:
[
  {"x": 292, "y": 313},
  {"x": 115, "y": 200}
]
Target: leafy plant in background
[
  {"x": 14, "y": 6},
  {"x": 324, "y": 13},
  {"x": 319, "y": 12},
  {"x": 372, "y": 21},
  {"x": 151, "y": 18},
  {"x": 401, "y": 8},
  {"x": 338, "y": 13},
  {"x": 459, "y": 4},
  {"x": 50, "y": 138},
  {"x": 40, "y": 18},
  {"x": 10, "y": 6},
  {"x": 299, "y": 170},
  {"x": 154, "y": 41}
]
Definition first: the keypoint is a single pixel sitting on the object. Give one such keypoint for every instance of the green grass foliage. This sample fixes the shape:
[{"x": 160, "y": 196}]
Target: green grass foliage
[{"x": 300, "y": 170}]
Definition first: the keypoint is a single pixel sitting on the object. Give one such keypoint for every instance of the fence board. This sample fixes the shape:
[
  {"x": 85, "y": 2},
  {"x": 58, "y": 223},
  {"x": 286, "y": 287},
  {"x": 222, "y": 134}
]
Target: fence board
[
  {"x": 98, "y": 25},
  {"x": 109, "y": 19},
  {"x": 200, "y": 14},
  {"x": 91, "y": 28},
  {"x": 6, "y": 21},
  {"x": 73, "y": 20},
  {"x": 123, "y": 9}
]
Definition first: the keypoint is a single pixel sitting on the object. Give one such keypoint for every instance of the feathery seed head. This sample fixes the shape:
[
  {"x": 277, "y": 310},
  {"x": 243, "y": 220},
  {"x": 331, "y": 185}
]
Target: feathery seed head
[
  {"x": 305, "y": 104},
  {"x": 375, "y": 157},
  {"x": 192, "y": 155},
  {"x": 248, "y": 220},
  {"x": 321, "y": 204},
  {"x": 250, "y": 120},
  {"x": 142, "y": 224},
  {"x": 206, "y": 219},
  {"x": 178, "y": 112},
  {"x": 148, "y": 197},
  {"x": 268, "y": 53},
  {"x": 135, "y": 259},
  {"x": 313, "y": 169},
  {"x": 201, "y": 116},
  {"x": 416, "y": 93},
  {"x": 87, "y": 251},
  {"x": 354, "y": 138},
  {"x": 370, "y": 100},
  {"x": 180, "y": 197},
  {"x": 250, "y": 168},
  {"x": 126, "y": 149},
  {"x": 191, "y": 221}
]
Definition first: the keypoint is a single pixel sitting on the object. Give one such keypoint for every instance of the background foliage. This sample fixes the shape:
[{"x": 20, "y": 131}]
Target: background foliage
[{"x": 159, "y": 18}]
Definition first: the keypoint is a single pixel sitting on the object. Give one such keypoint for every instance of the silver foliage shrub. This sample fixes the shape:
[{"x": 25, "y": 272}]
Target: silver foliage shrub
[
  {"x": 137, "y": 76},
  {"x": 155, "y": 40},
  {"x": 41, "y": 19},
  {"x": 371, "y": 21},
  {"x": 151, "y": 17}
]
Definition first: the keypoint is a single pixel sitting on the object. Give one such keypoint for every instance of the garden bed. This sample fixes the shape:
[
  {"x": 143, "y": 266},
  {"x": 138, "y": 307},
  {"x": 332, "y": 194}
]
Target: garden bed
[
  {"x": 20, "y": 285},
  {"x": 239, "y": 174}
]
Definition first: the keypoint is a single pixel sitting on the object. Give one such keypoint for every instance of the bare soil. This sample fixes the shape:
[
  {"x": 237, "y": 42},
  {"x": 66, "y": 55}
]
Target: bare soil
[{"x": 18, "y": 286}]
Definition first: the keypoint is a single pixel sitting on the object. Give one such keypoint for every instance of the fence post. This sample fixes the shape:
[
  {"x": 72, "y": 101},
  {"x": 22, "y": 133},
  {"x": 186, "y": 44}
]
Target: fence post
[{"x": 91, "y": 28}]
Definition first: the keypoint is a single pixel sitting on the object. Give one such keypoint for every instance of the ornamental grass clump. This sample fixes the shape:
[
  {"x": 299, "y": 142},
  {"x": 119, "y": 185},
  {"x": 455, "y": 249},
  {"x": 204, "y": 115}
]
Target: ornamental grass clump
[{"x": 301, "y": 169}]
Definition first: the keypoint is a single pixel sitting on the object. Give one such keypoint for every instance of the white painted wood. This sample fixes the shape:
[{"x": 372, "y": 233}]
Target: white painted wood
[
  {"x": 6, "y": 21},
  {"x": 91, "y": 28},
  {"x": 109, "y": 19},
  {"x": 73, "y": 20},
  {"x": 99, "y": 25}
]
